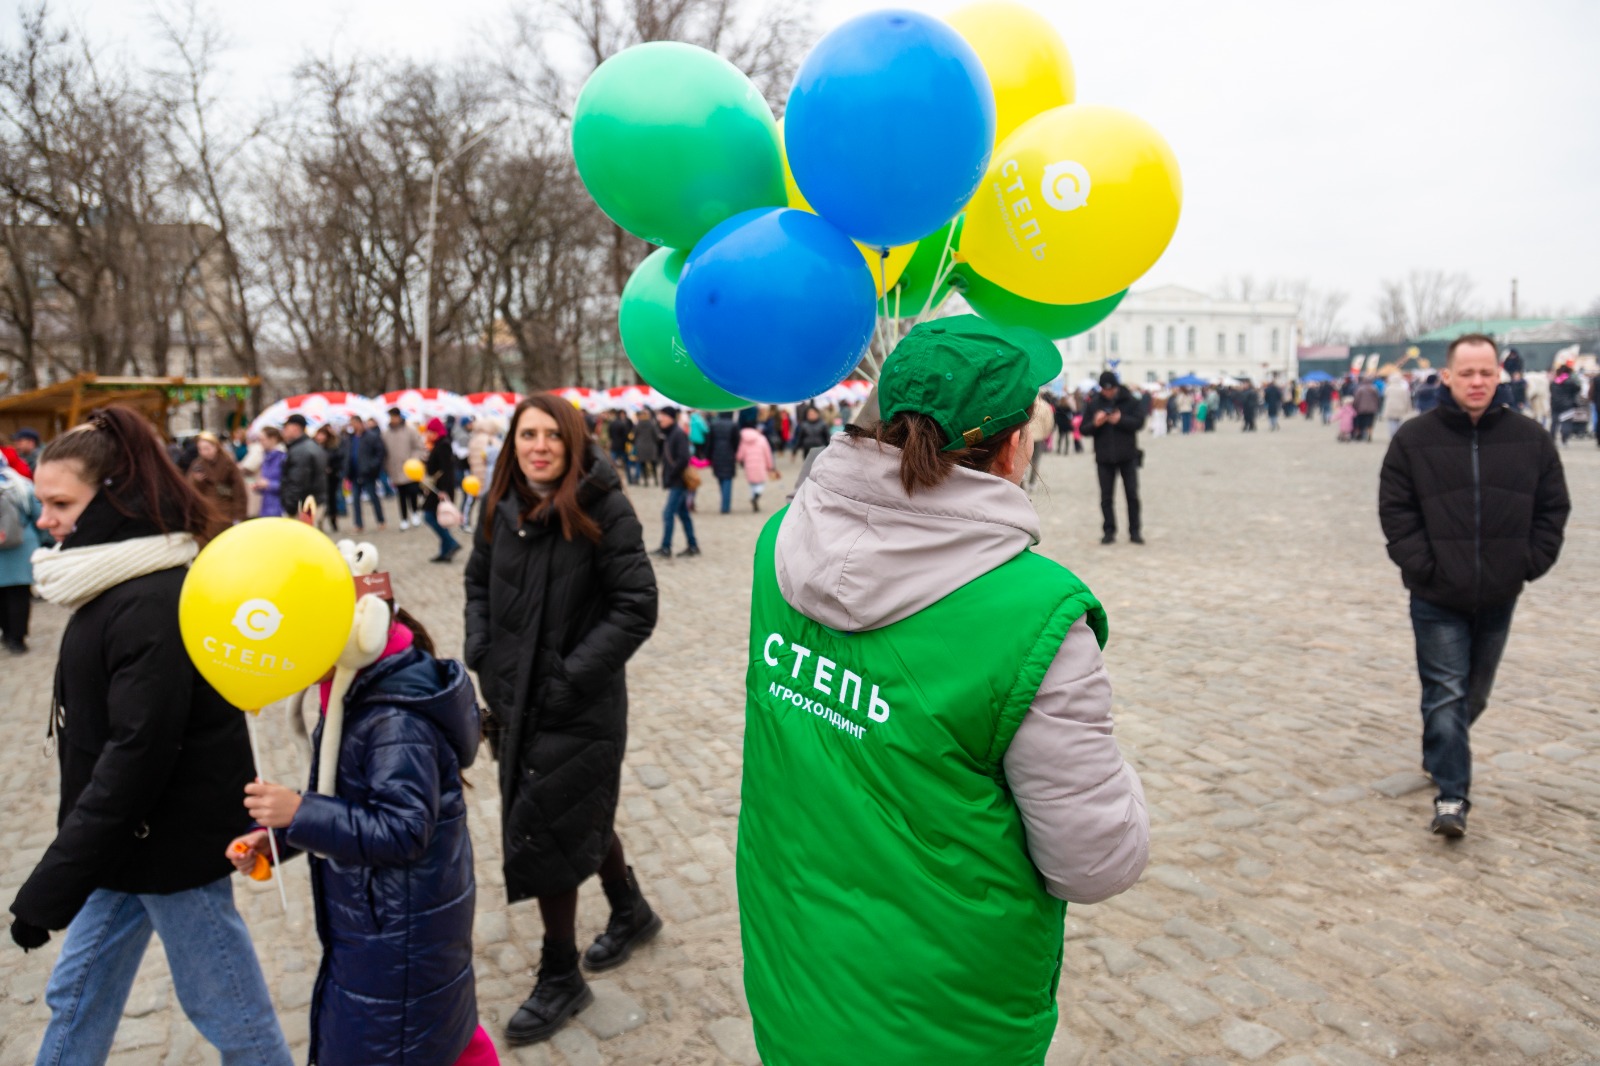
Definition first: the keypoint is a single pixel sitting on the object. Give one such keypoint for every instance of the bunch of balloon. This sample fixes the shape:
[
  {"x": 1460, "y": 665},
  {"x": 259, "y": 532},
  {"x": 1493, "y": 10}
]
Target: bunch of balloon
[
  {"x": 264, "y": 613},
  {"x": 777, "y": 246}
]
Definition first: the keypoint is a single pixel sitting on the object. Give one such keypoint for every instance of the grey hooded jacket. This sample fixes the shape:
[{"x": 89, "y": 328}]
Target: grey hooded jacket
[{"x": 856, "y": 553}]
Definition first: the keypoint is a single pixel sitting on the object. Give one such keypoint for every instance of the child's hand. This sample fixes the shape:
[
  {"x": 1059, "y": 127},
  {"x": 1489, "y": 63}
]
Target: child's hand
[
  {"x": 271, "y": 805},
  {"x": 248, "y": 852}
]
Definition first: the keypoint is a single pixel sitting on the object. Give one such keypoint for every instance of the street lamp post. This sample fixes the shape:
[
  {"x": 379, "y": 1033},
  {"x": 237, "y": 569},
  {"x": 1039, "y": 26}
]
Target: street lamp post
[{"x": 427, "y": 262}]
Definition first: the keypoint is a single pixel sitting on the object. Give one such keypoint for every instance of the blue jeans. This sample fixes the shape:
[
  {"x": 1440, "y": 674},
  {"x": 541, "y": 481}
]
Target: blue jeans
[
  {"x": 726, "y": 484},
  {"x": 677, "y": 507},
  {"x": 370, "y": 490},
  {"x": 214, "y": 972},
  {"x": 1457, "y": 655},
  {"x": 447, "y": 543}
]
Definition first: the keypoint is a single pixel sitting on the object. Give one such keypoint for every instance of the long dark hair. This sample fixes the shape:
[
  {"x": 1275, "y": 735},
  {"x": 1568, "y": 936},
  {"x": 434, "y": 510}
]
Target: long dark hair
[
  {"x": 118, "y": 452},
  {"x": 924, "y": 464},
  {"x": 563, "y": 502}
]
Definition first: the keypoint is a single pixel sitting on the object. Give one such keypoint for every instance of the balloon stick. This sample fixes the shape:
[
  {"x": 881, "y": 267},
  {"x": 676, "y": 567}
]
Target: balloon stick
[
  {"x": 940, "y": 272},
  {"x": 272, "y": 838}
]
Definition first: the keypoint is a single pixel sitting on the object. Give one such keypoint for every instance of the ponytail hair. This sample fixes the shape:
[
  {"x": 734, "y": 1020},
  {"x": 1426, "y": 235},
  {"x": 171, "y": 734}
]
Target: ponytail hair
[
  {"x": 924, "y": 464},
  {"x": 118, "y": 452}
]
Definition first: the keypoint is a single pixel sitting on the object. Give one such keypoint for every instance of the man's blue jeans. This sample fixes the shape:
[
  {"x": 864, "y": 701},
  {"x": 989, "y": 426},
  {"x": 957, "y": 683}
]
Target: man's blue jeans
[
  {"x": 1457, "y": 655},
  {"x": 726, "y": 484},
  {"x": 677, "y": 507},
  {"x": 370, "y": 490},
  {"x": 214, "y": 972}
]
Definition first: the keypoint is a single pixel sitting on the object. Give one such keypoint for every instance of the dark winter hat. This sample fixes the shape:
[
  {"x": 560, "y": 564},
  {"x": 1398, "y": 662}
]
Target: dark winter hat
[
  {"x": 27, "y": 434},
  {"x": 1108, "y": 379},
  {"x": 670, "y": 412},
  {"x": 972, "y": 377},
  {"x": 296, "y": 420},
  {"x": 396, "y": 412}
]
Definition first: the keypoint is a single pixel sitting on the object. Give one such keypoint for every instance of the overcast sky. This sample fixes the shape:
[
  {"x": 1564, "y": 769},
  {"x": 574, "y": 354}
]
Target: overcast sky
[{"x": 1340, "y": 142}]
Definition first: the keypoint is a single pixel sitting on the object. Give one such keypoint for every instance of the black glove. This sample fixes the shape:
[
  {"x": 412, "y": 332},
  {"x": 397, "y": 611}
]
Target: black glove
[{"x": 28, "y": 936}]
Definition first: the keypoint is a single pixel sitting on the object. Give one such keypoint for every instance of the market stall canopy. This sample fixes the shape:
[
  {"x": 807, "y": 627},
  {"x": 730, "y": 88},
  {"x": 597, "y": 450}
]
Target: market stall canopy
[
  {"x": 1317, "y": 377},
  {"x": 320, "y": 409},
  {"x": 1189, "y": 381},
  {"x": 419, "y": 405},
  {"x": 499, "y": 405},
  {"x": 54, "y": 409}
]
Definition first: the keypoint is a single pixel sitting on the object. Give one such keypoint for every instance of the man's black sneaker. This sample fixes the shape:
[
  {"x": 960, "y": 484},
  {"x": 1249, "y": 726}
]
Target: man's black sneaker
[
  {"x": 693, "y": 549},
  {"x": 665, "y": 553},
  {"x": 1134, "y": 538},
  {"x": 1109, "y": 538},
  {"x": 1450, "y": 818}
]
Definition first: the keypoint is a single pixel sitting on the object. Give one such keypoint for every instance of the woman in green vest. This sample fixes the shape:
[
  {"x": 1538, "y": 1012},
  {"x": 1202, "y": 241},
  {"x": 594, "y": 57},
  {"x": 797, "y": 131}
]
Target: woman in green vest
[{"x": 929, "y": 770}]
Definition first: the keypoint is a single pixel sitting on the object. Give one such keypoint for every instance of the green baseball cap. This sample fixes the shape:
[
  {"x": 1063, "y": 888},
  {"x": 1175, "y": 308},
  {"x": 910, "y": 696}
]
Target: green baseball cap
[{"x": 972, "y": 377}]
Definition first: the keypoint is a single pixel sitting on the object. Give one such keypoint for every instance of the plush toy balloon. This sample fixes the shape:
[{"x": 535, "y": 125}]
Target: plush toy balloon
[
  {"x": 671, "y": 139},
  {"x": 1025, "y": 58},
  {"x": 265, "y": 609},
  {"x": 910, "y": 298},
  {"x": 1079, "y": 202},
  {"x": 414, "y": 469},
  {"x": 1053, "y": 320},
  {"x": 776, "y": 306},
  {"x": 886, "y": 269},
  {"x": 648, "y": 324},
  {"x": 890, "y": 124},
  {"x": 471, "y": 485}
]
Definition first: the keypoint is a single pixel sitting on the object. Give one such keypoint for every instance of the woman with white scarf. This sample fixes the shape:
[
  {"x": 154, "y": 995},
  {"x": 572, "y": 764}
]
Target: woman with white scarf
[{"x": 153, "y": 760}]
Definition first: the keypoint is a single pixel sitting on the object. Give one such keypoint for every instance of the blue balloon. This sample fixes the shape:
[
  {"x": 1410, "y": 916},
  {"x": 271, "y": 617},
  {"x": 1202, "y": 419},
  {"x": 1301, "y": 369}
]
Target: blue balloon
[
  {"x": 889, "y": 126},
  {"x": 776, "y": 305}
]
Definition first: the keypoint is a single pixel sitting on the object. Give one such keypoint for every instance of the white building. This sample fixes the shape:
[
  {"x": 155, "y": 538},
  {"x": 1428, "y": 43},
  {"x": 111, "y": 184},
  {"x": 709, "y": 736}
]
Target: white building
[{"x": 1169, "y": 332}]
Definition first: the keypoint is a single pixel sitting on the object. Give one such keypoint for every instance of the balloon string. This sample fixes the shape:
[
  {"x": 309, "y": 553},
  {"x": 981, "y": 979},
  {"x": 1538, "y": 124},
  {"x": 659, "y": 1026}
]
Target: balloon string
[
  {"x": 940, "y": 272},
  {"x": 272, "y": 838}
]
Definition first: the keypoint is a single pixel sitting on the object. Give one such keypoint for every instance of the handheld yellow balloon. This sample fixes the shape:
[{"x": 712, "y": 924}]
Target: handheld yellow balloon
[
  {"x": 471, "y": 485},
  {"x": 414, "y": 469},
  {"x": 264, "y": 612}
]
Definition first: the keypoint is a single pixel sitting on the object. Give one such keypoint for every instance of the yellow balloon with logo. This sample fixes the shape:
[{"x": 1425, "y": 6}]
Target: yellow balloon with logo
[
  {"x": 414, "y": 469},
  {"x": 1027, "y": 62},
  {"x": 265, "y": 610},
  {"x": 1078, "y": 203},
  {"x": 471, "y": 485},
  {"x": 893, "y": 264}
]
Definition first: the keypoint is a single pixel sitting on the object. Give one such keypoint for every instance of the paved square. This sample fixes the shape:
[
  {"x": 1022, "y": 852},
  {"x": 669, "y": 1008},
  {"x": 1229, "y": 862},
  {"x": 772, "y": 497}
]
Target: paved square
[{"x": 1295, "y": 911}]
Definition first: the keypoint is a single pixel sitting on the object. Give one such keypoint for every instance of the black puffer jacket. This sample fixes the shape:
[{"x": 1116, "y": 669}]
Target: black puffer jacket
[
  {"x": 441, "y": 469},
  {"x": 1471, "y": 513},
  {"x": 153, "y": 761},
  {"x": 724, "y": 441},
  {"x": 550, "y": 625},
  {"x": 1119, "y": 442}
]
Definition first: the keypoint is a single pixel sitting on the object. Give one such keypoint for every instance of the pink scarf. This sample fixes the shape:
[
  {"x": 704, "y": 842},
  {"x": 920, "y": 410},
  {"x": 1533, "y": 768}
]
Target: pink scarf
[{"x": 400, "y": 638}]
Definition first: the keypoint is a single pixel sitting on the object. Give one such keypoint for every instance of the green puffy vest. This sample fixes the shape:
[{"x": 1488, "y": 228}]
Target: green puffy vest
[{"x": 890, "y": 912}]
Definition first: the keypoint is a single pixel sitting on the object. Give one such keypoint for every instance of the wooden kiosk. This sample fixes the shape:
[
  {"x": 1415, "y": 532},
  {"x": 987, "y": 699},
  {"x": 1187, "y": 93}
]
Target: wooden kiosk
[{"x": 53, "y": 410}]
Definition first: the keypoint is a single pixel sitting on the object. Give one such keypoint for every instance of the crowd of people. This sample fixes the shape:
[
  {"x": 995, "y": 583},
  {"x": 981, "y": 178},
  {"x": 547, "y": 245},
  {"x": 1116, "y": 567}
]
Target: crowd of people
[{"x": 851, "y": 637}]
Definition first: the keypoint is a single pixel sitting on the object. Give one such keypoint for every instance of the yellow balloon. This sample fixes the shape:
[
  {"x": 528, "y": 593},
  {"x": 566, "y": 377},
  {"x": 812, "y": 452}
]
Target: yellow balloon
[
  {"x": 1027, "y": 62},
  {"x": 414, "y": 469},
  {"x": 265, "y": 610},
  {"x": 894, "y": 264},
  {"x": 471, "y": 485},
  {"x": 1078, "y": 203}
]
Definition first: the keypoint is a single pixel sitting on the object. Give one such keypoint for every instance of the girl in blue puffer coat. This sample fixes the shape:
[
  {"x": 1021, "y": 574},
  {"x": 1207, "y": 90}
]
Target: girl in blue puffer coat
[{"x": 391, "y": 861}]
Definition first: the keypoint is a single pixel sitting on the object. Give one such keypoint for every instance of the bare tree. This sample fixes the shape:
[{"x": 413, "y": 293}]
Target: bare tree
[
  {"x": 1321, "y": 311},
  {"x": 1423, "y": 301}
]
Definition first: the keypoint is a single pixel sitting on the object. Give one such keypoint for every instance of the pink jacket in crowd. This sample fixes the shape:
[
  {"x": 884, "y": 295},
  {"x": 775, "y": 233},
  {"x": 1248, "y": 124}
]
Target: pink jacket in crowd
[{"x": 756, "y": 455}]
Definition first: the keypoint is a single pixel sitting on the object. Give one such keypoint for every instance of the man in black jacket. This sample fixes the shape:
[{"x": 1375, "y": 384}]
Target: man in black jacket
[
  {"x": 674, "y": 464},
  {"x": 305, "y": 468},
  {"x": 1473, "y": 504},
  {"x": 369, "y": 456},
  {"x": 1113, "y": 419}
]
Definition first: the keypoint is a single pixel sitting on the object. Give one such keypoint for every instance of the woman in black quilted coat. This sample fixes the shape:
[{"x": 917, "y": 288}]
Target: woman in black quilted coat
[{"x": 560, "y": 594}]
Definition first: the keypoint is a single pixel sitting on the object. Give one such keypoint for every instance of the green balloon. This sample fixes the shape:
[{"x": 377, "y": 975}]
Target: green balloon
[
  {"x": 671, "y": 139},
  {"x": 648, "y": 323},
  {"x": 1006, "y": 309},
  {"x": 911, "y": 291}
]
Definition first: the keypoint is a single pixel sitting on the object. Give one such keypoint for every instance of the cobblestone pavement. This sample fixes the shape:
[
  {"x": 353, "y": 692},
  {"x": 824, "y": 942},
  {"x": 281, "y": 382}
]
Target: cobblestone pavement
[{"x": 1295, "y": 911}]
